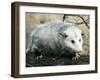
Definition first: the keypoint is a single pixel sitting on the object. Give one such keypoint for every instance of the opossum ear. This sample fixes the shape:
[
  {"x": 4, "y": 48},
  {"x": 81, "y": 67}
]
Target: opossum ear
[{"x": 63, "y": 35}]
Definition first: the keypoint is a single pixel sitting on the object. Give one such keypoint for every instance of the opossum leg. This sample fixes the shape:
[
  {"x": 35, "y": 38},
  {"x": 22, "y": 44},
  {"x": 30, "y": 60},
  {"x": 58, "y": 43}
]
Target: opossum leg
[
  {"x": 38, "y": 54},
  {"x": 30, "y": 47},
  {"x": 39, "y": 57},
  {"x": 53, "y": 59},
  {"x": 76, "y": 57},
  {"x": 27, "y": 50},
  {"x": 33, "y": 49}
]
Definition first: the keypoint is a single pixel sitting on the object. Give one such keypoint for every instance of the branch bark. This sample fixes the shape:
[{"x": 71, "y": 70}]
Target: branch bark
[{"x": 84, "y": 21}]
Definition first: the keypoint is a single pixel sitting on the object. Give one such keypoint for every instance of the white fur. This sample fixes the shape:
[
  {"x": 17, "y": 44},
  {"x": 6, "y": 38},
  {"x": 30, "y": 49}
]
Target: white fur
[{"x": 74, "y": 34}]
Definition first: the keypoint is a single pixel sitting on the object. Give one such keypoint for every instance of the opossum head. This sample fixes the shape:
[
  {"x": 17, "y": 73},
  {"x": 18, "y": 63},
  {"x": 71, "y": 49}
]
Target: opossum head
[{"x": 72, "y": 39}]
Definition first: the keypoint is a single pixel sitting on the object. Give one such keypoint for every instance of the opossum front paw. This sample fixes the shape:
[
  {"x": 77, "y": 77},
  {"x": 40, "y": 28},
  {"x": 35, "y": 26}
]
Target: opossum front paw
[
  {"x": 39, "y": 57},
  {"x": 76, "y": 57}
]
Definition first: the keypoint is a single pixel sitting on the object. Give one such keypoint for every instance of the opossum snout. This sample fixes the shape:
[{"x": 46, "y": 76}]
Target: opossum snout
[{"x": 79, "y": 52}]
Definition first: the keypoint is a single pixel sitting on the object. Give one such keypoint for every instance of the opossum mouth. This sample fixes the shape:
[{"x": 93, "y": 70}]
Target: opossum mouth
[
  {"x": 75, "y": 51},
  {"x": 78, "y": 52}
]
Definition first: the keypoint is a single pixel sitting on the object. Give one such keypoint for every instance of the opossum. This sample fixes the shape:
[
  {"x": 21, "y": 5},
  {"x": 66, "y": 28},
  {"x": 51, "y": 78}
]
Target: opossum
[{"x": 56, "y": 38}]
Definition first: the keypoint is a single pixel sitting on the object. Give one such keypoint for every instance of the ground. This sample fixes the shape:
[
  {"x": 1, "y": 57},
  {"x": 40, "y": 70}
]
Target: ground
[{"x": 32, "y": 61}]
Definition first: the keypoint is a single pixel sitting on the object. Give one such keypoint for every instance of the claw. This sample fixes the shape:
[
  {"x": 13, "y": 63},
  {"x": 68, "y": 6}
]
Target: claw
[
  {"x": 39, "y": 57},
  {"x": 77, "y": 56}
]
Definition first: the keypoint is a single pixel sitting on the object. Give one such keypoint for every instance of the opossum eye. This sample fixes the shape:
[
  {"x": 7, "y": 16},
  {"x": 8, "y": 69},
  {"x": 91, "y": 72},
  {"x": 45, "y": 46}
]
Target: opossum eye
[
  {"x": 64, "y": 35},
  {"x": 79, "y": 40},
  {"x": 73, "y": 41}
]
